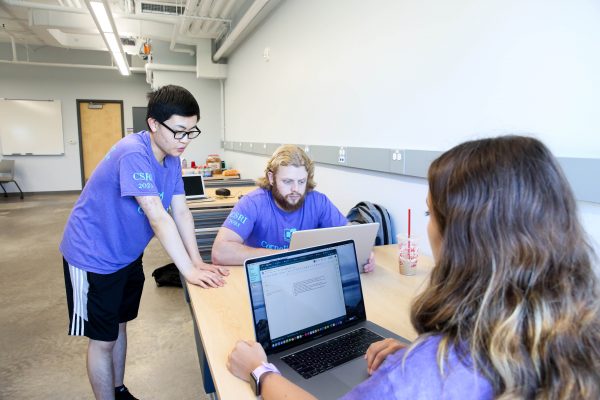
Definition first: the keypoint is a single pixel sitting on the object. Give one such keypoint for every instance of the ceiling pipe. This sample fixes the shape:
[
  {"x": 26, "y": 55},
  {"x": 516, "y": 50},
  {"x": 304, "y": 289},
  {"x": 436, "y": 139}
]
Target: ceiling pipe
[
  {"x": 212, "y": 27},
  {"x": 13, "y": 45},
  {"x": 84, "y": 66},
  {"x": 50, "y": 7},
  {"x": 204, "y": 10},
  {"x": 222, "y": 109},
  {"x": 148, "y": 67},
  {"x": 128, "y": 6},
  {"x": 252, "y": 12},
  {"x": 169, "y": 67},
  {"x": 174, "y": 42},
  {"x": 178, "y": 27},
  {"x": 189, "y": 9},
  {"x": 14, "y": 48},
  {"x": 18, "y": 21},
  {"x": 47, "y": 7}
]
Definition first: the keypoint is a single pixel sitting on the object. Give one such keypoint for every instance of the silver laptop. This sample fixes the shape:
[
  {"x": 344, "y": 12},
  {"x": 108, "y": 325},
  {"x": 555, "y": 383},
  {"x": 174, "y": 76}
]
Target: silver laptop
[
  {"x": 307, "y": 307},
  {"x": 193, "y": 185},
  {"x": 362, "y": 234}
]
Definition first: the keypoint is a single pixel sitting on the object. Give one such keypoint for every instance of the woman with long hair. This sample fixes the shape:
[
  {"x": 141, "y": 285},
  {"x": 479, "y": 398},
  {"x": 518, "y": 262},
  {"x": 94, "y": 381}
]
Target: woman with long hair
[{"x": 512, "y": 309}]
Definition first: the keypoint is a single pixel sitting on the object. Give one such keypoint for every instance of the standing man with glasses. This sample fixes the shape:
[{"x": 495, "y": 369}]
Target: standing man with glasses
[{"x": 135, "y": 193}]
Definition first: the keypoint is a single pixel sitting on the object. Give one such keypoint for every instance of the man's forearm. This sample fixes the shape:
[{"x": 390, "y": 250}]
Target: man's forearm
[
  {"x": 232, "y": 253},
  {"x": 166, "y": 232},
  {"x": 186, "y": 228}
]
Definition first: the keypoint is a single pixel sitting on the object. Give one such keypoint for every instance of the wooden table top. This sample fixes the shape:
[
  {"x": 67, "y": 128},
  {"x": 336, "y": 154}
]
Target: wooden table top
[{"x": 223, "y": 315}]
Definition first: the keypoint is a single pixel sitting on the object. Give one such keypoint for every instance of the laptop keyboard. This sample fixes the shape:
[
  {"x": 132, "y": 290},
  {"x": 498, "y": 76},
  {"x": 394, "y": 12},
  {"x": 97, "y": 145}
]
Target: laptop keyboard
[{"x": 331, "y": 353}]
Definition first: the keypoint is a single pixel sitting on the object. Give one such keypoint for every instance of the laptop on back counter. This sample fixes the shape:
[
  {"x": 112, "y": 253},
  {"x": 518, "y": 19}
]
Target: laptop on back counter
[
  {"x": 309, "y": 316},
  {"x": 362, "y": 234},
  {"x": 193, "y": 185}
]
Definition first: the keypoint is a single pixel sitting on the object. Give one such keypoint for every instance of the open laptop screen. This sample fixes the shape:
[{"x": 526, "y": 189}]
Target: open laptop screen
[
  {"x": 304, "y": 294},
  {"x": 193, "y": 185}
]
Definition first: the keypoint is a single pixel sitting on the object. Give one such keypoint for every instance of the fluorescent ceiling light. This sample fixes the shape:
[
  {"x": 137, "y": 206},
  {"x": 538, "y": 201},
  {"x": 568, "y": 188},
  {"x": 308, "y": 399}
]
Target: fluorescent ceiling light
[
  {"x": 113, "y": 46},
  {"x": 101, "y": 16},
  {"x": 118, "y": 56},
  {"x": 106, "y": 25}
]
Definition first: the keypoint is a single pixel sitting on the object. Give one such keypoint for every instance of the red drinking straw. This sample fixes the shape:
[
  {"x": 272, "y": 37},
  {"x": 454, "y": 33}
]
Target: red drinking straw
[
  {"x": 409, "y": 223},
  {"x": 409, "y": 235}
]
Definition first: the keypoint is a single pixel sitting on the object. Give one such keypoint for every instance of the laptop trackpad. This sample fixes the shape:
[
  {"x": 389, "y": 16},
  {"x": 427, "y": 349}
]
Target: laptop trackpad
[{"x": 352, "y": 373}]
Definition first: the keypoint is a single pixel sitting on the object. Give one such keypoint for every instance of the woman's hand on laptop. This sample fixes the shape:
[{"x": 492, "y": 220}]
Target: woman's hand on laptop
[
  {"x": 245, "y": 357},
  {"x": 378, "y": 352},
  {"x": 370, "y": 265}
]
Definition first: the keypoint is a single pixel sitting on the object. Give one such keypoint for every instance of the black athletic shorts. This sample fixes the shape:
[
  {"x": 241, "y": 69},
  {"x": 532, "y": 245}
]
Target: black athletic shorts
[{"x": 99, "y": 302}]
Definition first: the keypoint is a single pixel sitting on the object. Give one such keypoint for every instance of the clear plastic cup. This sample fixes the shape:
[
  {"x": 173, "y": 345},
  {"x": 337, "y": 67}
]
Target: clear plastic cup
[{"x": 408, "y": 254}]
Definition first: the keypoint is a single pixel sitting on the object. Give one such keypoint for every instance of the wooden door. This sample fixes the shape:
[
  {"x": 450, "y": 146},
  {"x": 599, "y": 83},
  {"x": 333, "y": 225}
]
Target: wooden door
[{"x": 100, "y": 127}]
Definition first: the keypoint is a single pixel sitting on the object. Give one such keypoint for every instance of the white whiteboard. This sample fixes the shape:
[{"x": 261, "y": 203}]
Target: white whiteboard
[{"x": 31, "y": 127}]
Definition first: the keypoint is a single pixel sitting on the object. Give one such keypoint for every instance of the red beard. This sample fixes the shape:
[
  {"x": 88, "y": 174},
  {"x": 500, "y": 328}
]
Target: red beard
[{"x": 283, "y": 202}]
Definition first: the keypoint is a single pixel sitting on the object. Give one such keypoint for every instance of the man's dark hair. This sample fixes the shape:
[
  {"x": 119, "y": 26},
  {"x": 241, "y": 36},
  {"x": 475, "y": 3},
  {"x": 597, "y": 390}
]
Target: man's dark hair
[{"x": 171, "y": 100}]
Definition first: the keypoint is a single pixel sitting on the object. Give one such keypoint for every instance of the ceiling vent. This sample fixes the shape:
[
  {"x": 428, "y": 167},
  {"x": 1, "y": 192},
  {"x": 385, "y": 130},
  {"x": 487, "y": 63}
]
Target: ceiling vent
[
  {"x": 128, "y": 41},
  {"x": 159, "y": 8}
]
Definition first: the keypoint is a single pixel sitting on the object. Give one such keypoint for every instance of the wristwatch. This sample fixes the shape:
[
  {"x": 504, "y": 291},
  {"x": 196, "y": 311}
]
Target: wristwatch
[{"x": 255, "y": 376}]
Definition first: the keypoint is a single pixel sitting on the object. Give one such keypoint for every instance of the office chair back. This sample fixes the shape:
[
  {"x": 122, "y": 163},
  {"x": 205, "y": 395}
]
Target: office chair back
[
  {"x": 7, "y": 174},
  {"x": 7, "y": 170}
]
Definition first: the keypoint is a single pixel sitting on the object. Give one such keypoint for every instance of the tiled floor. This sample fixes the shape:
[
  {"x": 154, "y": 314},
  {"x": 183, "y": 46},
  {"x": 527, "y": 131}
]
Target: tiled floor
[{"x": 38, "y": 360}]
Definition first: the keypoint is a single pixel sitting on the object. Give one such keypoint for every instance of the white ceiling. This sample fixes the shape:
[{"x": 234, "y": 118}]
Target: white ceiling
[{"x": 68, "y": 24}]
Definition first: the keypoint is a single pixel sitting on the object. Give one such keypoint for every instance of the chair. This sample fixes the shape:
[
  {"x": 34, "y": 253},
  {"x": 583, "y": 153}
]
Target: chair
[{"x": 7, "y": 174}]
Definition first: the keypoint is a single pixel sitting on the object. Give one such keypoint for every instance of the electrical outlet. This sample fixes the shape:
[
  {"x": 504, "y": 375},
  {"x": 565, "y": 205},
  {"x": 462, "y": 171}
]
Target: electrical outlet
[
  {"x": 342, "y": 156},
  {"x": 397, "y": 156}
]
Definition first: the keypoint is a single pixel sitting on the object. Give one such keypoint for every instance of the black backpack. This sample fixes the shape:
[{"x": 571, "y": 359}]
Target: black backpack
[
  {"x": 366, "y": 212},
  {"x": 167, "y": 275}
]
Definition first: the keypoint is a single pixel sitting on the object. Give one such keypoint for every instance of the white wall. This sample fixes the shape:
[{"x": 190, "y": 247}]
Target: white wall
[
  {"x": 421, "y": 75},
  {"x": 60, "y": 173},
  {"x": 208, "y": 95}
]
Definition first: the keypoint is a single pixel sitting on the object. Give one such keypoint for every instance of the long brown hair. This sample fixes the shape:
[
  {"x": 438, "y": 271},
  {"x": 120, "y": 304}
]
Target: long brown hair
[
  {"x": 288, "y": 154},
  {"x": 514, "y": 280}
]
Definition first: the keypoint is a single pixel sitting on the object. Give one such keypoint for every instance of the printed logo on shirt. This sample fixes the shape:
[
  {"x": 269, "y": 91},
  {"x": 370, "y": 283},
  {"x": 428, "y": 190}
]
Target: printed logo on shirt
[
  {"x": 142, "y": 176},
  {"x": 144, "y": 180},
  {"x": 287, "y": 234},
  {"x": 265, "y": 245},
  {"x": 237, "y": 219}
]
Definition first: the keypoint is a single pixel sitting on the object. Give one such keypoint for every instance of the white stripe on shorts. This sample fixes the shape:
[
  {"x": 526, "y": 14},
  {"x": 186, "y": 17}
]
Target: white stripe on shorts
[{"x": 80, "y": 286}]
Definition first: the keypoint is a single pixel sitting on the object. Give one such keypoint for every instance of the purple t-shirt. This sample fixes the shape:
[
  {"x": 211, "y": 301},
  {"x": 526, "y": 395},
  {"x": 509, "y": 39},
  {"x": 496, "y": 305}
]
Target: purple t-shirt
[
  {"x": 420, "y": 377},
  {"x": 260, "y": 223},
  {"x": 107, "y": 229}
]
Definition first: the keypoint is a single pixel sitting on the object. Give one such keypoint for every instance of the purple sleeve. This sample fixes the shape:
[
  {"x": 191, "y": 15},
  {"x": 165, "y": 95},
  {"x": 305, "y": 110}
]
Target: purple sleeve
[
  {"x": 136, "y": 177},
  {"x": 419, "y": 377},
  {"x": 330, "y": 215},
  {"x": 378, "y": 386},
  {"x": 179, "y": 183},
  {"x": 242, "y": 218}
]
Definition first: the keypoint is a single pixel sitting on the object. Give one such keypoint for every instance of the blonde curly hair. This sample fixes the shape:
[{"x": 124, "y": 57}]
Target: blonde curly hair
[{"x": 285, "y": 155}]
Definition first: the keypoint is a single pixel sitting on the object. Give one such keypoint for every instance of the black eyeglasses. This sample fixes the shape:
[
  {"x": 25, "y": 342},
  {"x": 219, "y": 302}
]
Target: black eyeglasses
[{"x": 193, "y": 134}]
